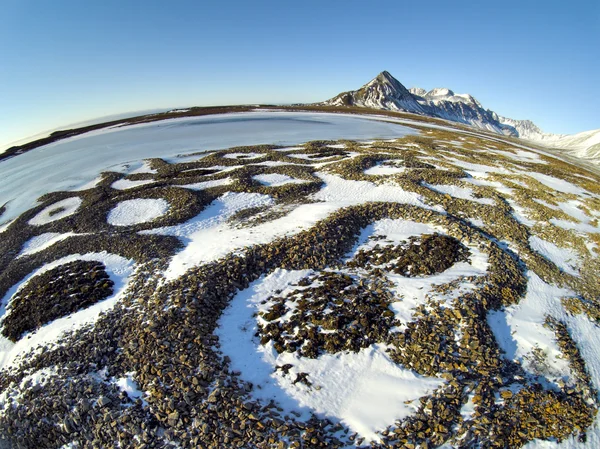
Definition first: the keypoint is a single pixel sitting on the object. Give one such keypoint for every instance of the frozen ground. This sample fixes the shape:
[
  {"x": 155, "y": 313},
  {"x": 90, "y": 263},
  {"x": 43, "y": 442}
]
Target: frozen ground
[
  {"x": 71, "y": 163},
  {"x": 366, "y": 390}
]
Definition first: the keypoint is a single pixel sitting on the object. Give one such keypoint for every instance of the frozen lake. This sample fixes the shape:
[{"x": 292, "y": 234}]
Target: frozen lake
[{"x": 71, "y": 163}]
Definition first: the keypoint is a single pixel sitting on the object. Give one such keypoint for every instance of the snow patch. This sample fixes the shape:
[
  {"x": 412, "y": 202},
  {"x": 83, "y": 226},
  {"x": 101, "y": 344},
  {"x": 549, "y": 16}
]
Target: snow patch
[
  {"x": 132, "y": 212},
  {"x": 124, "y": 184},
  {"x": 276, "y": 179},
  {"x": 459, "y": 192},
  {"x": 207, "y": 184},
  {"x": 43, "y": 241},
  {"x": 57, "y": 211},
  {"x": 566, "y": 259},
  {"x": 365, "y": 390}
]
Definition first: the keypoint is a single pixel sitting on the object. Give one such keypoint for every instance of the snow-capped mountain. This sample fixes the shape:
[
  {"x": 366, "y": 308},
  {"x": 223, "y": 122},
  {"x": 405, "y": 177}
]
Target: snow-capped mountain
[
  {"x": 386, "y": 92},
  {"x": 584, "y": 145},
  {"x": 383, "y": 92}
]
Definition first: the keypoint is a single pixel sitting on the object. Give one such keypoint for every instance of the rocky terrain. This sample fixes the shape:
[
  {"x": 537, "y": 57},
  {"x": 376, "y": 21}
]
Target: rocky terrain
[{"x": 435, "y": 289}]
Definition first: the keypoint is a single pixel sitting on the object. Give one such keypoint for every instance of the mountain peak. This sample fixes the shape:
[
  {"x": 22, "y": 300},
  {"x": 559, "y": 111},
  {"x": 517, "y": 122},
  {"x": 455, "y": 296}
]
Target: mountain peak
[
  {"x": 386, "y": 92},
  {"x": 386, "y": 76},
  {"x": 382, "y": 92},
  {"x": 386, "y": 79},
  {"x": 440, "y": 92}
]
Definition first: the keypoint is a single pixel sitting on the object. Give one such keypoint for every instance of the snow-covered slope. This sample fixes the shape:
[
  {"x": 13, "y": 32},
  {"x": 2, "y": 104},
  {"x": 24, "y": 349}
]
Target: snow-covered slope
[
  {"x": 386, "y": 92},
  {"x": 584, "y": 145}
]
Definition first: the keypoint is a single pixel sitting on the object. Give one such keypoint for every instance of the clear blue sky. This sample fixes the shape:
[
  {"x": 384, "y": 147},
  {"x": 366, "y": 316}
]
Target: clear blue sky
[{"x": 67, "y": 61}]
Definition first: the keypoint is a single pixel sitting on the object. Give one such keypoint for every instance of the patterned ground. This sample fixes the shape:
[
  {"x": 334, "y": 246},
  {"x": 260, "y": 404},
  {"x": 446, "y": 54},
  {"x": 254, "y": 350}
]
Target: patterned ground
[{"x": 466, "y": 265}]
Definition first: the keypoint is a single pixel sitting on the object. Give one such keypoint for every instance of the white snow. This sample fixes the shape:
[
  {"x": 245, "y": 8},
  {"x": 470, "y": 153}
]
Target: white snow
[
  {"x": 4, "y": 226},
  {"x": 132, "y": 212},
  {"x": 476, "y": 169},
  {"x": 346, "y": 193},
  {"x": 384, "y": 169},
  {"x": 144, "y": 167},
  {"x": 579, "y": 227},
  {"x": 572, "y": 208},
  {"x": 413, "y": 291},
  {"x": 61, "y": 209},
  {"x": 70, "y": 162},
  {"x": 87, "y": 185},
  {"x": 522, "y": 156},
  {"x": 243, "y": 155},
  {"x": 129, "y": 386},
  {"x": 459, "y": 192},
  {"x": 520, "y": 328},
  {"x": 560, "y": 185},
  {"x": 566, "y": 259},
  {"x": 118, "y": 268},
  {"x": 199, "y": 233},
  {"x": 364, "y": 390},
  {"x": 207, "y": 184},
  {"x": 124, "y": 184},
  {"x": 43, "y": 241},
  {"x": 501, "y": 188},
  {"x": 276, "y": 179},
  {"x": 520, "y": 214}
]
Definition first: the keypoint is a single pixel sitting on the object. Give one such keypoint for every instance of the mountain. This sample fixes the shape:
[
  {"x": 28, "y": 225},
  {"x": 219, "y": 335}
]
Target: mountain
[
  {"x": 383, "y": 92},
  {"x": 583, "y": 145},
  {"x": 386, "y": 92}
]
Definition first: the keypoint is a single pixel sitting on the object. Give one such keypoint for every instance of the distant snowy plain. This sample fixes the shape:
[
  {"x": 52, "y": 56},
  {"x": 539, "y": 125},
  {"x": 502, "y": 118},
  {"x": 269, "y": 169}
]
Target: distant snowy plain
[{"x": 71, "y": 163}]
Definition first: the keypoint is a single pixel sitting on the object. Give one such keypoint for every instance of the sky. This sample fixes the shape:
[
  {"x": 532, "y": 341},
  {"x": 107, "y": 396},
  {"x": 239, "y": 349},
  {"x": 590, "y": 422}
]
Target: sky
[{"x": 63, "y": 62}]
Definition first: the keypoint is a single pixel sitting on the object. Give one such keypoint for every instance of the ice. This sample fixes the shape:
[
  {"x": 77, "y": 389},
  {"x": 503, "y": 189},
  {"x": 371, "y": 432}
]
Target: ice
[
  {"x": 132, "y": 212},
  {"x": 72, "y": 162}
]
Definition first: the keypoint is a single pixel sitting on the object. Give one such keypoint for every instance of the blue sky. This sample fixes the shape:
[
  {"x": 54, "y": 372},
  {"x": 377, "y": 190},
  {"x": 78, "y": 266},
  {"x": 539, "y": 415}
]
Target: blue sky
[{"x": 66, "y": 61}]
